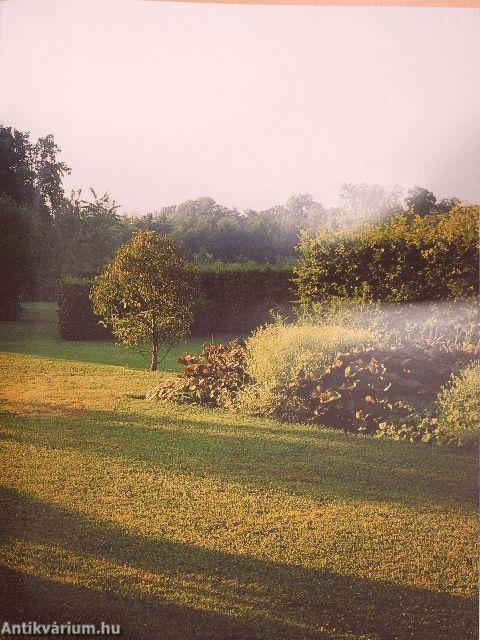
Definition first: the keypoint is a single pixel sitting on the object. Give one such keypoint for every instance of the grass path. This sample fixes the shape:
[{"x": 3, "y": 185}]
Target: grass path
[{"x": 178, "y": 522}]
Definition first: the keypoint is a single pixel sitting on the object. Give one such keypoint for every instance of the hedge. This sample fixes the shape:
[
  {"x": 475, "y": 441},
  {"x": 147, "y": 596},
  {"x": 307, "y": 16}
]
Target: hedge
[
  {"x": 405, "y": 258},
  {"x": 238, "y": 297},
  {"x": 234, "y": 299},
  {"x": 76, "y": 320}
]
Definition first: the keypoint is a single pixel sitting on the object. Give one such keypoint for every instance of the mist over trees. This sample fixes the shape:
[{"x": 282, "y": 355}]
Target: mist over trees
[{"x": 58, "y": 234}]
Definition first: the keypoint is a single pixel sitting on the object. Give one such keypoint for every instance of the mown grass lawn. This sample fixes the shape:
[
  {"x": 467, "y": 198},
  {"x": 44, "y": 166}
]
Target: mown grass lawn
[{"x": 180, "y": 523}]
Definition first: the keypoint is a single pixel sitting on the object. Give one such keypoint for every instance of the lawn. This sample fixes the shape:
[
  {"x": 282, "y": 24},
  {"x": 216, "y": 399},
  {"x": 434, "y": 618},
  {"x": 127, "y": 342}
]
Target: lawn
[
  {"x": 36, "y": 334},
  {"x": 185, "y": 523}
]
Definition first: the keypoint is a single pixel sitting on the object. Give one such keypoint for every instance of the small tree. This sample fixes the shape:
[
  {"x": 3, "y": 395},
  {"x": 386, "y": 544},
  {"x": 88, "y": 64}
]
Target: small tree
[{"x": 146, "y": 294}]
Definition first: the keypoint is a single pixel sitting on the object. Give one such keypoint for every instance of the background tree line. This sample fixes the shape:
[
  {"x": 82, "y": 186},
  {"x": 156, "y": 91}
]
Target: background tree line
[{"x": 46, "y": 234}]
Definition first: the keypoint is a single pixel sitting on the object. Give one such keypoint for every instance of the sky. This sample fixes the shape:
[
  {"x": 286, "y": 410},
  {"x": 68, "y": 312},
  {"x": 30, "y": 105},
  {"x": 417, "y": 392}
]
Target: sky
[{"x": 159, "y": 102}]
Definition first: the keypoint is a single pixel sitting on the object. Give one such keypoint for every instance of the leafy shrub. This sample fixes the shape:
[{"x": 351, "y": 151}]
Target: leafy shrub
[
  {"x": 212, "y": 378},
  {"x": 344, "y": 378},
  {"x": 458, "y": 408},
  {"x": 412, "y": 428},
  {"x": 366, "y": 387},
  {"x": 277, "y": 354},
  {"x": 405, "y": 258},
  {"x": 76, "y": 320}
]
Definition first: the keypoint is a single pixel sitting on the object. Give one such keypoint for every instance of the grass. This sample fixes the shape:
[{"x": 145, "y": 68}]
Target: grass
[
  {"x": 185, "y": 523},
  {"x": 36, "y": 334}
]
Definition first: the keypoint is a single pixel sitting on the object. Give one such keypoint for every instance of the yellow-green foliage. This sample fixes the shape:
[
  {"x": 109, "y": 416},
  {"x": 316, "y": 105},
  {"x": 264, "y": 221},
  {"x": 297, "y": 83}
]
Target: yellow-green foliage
[
  {"x": 404, "y": 258},
  {"x": 277, "y": 353},
  {"x": 146, "y": 295},
  {"x": 458, "y": 408}
]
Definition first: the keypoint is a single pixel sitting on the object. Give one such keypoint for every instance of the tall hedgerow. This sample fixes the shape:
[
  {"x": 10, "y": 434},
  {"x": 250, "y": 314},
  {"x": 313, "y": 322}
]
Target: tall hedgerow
[{"x": 404, "y": 258}]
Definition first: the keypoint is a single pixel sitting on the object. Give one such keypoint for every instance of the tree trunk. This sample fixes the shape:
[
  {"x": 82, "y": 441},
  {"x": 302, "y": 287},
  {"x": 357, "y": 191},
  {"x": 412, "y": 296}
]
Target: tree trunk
[{"x": 154, "y": 361}]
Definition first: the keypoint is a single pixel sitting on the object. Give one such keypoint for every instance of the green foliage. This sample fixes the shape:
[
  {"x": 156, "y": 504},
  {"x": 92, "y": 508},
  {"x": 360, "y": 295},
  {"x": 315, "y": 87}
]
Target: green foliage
[
  {"x": 404, "y": 258},
  {"x": 88, "y": 232},
  {"x": 458, "y": 408},
  {"x": 277, "y": 354},
  {"x": 364, "y": 202},
  {"x": 441, "y": 326},
  {"x": 365, "y": 388},
  {"x": 212, "y": 378},
  {"x": 350, "y": 394},
  {"x": 30, "y": 172},
  {"x": 206, "y": 228},
  {"x": 420, "y": 200},
  {"x": 414, "y": 427},
  {"x": 75, "y": 236},
  {"x": 345, "y": 377},
  {"x": 238, "y": 298},
  {"x": 233, "y": 298},
  {"x": 76, "y": 320},
  {"x": 146, "y": 294},
  {"x": 16, "y": 173},
  {"x": 31, "y": 175},
  {"x": 15, "y": 238}
]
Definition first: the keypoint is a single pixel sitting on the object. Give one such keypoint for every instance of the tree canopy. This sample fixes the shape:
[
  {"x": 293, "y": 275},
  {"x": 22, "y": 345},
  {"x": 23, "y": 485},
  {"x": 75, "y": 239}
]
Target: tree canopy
[
  {"x": 78, "y": 234},
  {"x": 146, "y": 295}
]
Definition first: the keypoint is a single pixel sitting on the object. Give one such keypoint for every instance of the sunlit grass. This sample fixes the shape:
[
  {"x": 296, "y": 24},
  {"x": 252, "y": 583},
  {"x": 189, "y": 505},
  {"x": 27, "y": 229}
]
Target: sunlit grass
[{"x": 180, "y": 522}]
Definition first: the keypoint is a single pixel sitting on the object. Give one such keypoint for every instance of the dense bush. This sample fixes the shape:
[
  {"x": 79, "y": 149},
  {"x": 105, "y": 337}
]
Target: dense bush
[
  {"x": 212, "y": 378},
  {"x": 458, "y": 408},
  {"x": 277, "y": 354},
  {"x": 346, "y": 377},
  {"x": 404, "y": 258},
  {"x": 368, "y": 389},
  {"x": 235, "y": 298},
  {"x": 76, "y": 320},
  {"x": 238, "y": 297}
]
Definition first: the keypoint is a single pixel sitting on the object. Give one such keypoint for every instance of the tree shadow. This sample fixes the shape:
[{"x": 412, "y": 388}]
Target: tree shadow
[
  {"x": 205, "y": 593},
  {"x": 36, "y": 334},
  {"x": 307, "y": 461}
]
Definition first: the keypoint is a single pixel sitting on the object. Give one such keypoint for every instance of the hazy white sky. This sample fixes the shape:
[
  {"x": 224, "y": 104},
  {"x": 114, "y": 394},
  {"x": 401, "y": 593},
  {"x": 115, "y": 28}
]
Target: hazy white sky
[{"x": 159, "y": 102}]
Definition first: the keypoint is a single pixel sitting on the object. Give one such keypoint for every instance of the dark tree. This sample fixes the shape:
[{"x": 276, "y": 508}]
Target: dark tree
[
  {"x": 421, "y": 201},
  {"x": 15, "y": 237},
  {"x": 16, "y": 173}
]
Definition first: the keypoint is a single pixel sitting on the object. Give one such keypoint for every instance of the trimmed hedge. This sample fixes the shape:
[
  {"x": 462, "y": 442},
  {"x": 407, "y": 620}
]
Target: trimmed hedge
[
  {"x": 238, "y": 297},
  {"x": 406, "y": 258},
  {"x": 235, "y": 298},
  {"x": 76, "y": 320}
]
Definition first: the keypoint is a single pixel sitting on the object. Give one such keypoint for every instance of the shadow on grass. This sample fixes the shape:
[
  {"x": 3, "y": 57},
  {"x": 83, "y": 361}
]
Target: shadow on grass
[
  {"x": 101, "y": 352},
  {"x": 307, "y": 461},
  {"x": 36, "y": 334},
  {"x": 210, "y": 594}
]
